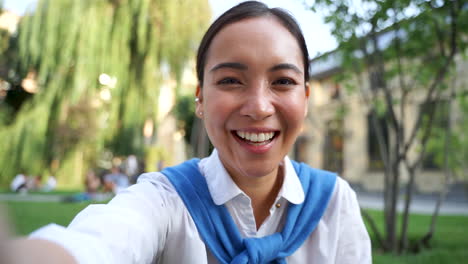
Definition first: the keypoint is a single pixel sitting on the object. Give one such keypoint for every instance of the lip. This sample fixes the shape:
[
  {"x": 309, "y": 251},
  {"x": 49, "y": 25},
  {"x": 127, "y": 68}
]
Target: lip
[
  {"x": 256, "y": 130},
  {"x": 256, "y": 149}
]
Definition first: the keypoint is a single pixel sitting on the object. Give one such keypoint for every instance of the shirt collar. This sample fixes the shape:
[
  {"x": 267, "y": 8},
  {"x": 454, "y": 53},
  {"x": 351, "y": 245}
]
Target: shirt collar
[
  {"x": 292, "y": 188},
  {"x": 223, "y": 189}
]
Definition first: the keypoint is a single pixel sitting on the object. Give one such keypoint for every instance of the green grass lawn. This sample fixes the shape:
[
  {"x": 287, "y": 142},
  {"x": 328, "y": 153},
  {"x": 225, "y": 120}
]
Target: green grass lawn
[
  {"x": 449, "y": 245},
  {"x": 57, "y": 192},
  {"x": 28, "y": 216}
]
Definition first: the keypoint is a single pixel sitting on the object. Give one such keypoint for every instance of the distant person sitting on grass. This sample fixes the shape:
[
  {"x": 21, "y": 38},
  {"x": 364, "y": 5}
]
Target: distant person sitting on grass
[
  {"x": 50, "y": 184},
  {"x": 115, "y": 181},
  {"x": 18, "y": 185},
  {"x": 33, "y": 183},
  {"x": 92, "y": 190},
  {"x": 92, "y": 182}
]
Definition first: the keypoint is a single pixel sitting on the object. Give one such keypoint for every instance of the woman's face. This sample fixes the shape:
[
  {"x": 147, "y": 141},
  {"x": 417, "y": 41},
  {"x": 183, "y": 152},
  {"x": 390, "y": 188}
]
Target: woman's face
[{"x": 254, "y": 98}]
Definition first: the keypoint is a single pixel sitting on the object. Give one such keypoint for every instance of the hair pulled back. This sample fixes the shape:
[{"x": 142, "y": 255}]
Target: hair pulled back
[{"x": 245, "y": 10}]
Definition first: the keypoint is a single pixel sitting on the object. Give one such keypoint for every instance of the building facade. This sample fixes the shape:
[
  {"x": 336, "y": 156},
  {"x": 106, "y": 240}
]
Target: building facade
[{"x": 339, "y": 134}]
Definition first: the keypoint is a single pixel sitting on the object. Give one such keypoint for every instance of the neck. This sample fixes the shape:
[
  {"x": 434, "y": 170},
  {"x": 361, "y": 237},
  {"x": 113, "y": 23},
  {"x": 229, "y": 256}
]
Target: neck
[{"x": 262, "y": 191}]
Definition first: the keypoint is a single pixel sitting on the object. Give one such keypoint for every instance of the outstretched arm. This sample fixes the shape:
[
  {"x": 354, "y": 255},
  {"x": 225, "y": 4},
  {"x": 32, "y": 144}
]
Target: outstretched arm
[{"x": 23, "y": 251}]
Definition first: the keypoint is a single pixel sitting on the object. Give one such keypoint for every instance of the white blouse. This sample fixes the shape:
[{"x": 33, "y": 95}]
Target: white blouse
[{"x": 148, "y": 223}]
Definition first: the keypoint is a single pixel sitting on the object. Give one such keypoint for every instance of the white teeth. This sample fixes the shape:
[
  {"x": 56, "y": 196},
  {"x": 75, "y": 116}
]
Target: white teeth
[
  {"x": 255, "y": 137},
  {"x": 261, "y": 137}
]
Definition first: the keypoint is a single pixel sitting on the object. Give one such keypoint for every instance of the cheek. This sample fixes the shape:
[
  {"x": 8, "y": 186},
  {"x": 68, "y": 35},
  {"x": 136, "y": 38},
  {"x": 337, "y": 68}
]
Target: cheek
[
  {"x": 217, "y": 109},
  {"x": 293, "y": 112}
]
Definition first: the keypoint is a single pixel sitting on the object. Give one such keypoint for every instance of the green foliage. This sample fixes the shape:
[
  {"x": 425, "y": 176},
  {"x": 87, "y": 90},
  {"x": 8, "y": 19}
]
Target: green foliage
[
  {"x": 69, "y": 45},
  {"x": 6, "y": 114},
  {"x": 460, "y": 140},
  {"x": 420, "y": 27},
  {"x": 184, "y": 111},
  {"x": 380, "y": 107},
  {"x": 4, "y": 40},
  {"x": 457, "y": 139}
]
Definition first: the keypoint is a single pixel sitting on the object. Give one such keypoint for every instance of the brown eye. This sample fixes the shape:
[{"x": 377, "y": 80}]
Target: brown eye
[
  {"x": 228, "y": 81},
  {"x": 285, "y": 81}
]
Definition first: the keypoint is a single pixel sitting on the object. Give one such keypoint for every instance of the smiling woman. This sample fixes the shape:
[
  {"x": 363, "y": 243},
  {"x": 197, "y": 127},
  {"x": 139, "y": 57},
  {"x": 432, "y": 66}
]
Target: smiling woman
[
  {"x": 247, "y": 202},
  {"x": 254, "y": 88}
]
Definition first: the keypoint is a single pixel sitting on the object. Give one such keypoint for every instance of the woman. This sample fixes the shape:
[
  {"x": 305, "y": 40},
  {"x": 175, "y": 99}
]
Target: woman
[{"x": 247, "y": 202}]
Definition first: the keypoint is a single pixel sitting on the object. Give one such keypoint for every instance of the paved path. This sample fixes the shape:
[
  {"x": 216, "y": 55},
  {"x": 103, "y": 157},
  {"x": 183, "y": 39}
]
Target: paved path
[
  {"x": 421, "y": 204},
  {"x": 31, "y": 197},
  {"x": 46, "y": 197}
]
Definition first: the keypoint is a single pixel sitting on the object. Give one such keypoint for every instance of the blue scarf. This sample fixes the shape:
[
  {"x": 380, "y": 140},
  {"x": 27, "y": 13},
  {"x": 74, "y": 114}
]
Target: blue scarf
[{"x": 219, "y": 232}]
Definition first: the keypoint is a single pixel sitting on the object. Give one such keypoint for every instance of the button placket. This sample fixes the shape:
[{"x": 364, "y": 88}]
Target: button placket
[{"x": 248, "y": 217}]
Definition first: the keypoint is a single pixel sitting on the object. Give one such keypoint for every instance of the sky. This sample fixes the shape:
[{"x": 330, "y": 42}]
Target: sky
[
  {"x": 316, "y": 33},
  {"x": 18, "y": 6}
]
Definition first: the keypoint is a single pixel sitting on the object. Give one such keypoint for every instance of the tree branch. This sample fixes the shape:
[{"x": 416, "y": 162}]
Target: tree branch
[
  {"x": 381, "y": 72},
  {"x": 440, "y": 76},
  {"x": 424, "y": 241}
]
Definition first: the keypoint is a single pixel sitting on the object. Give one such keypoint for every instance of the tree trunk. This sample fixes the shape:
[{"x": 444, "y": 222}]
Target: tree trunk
[
  {"x": 392, "y": 211},
  {"x": 408, "y": 198}
]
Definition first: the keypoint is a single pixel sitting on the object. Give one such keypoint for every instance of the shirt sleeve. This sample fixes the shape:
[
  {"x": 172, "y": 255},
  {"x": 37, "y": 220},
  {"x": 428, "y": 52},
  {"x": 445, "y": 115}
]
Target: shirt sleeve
[
  {"x": 131, "y": 228},
  {"x": 354, "y": 244}
]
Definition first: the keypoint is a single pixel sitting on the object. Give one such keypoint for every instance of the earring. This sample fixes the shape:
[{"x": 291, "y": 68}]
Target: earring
[
  {"x": 200, "y": 113},
  {"x": 197, "y": 99}
]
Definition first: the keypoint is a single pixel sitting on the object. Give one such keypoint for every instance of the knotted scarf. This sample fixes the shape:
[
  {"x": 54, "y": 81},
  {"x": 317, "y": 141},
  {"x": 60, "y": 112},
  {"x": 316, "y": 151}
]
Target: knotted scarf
[{"x": 219, "y": 232}]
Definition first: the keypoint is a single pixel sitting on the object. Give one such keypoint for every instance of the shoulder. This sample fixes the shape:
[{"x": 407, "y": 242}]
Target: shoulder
[
  {"x": 159, "y": 189},
  {"x": 317, "y": 179},
  {"x": 342, "y": 197},
  {"x": 156, "y": 186},
  {"x": 343, "y": 205},
  {"x": 301, "y": 167}
]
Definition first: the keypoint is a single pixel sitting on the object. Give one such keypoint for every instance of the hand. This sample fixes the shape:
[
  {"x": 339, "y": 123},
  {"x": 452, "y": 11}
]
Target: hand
[{"x": 25, "y": 251}]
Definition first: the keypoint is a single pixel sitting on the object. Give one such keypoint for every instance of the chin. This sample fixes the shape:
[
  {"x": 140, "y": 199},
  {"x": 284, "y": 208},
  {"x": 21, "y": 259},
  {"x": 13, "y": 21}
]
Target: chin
[{"x": 260, "y": 170}]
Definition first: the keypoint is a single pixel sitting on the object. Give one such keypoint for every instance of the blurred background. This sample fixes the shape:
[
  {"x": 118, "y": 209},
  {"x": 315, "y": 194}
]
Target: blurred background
[{"x": 95, "y": 92}]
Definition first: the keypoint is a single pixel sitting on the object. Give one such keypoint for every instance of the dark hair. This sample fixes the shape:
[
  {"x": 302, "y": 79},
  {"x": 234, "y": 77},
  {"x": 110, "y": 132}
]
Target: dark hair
[{"x": 242, "y": 11}]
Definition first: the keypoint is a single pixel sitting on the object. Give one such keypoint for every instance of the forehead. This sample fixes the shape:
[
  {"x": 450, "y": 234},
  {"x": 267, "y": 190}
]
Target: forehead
[{"x": 261, "y": 39}]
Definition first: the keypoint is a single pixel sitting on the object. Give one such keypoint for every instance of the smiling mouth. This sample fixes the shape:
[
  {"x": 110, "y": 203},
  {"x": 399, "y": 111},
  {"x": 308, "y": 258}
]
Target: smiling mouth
[{"x": 254, "y": 138}]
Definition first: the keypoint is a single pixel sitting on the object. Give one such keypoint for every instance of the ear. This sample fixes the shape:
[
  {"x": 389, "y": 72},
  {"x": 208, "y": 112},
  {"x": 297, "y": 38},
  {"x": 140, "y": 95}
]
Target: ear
[
  {"x": 199, "y": 102},
  {"x": 307, "y": 93}
]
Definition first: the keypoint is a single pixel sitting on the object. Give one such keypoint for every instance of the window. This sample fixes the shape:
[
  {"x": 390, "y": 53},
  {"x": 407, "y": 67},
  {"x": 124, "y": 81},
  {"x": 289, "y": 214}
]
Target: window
[
  {"x": 335, "y": 91},
  {"x": 333, "y": 147},
  {"x": 433, "y": 158},
  {"x": 373, "y": 147}
]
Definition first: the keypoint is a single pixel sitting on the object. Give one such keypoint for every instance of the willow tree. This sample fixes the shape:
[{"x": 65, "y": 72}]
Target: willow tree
[{"x": 97, "y": 65}]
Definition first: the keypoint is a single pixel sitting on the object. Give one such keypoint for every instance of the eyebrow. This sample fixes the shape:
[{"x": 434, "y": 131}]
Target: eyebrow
[
  {"x": 232, "y": 65},
  {"x": 240, "y": 66},
  {"x": 285, "y": 66}
]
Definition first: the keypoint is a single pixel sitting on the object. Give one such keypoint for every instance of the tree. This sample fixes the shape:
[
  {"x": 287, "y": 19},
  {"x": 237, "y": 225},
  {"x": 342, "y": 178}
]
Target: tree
[
  {"x": 97, "y": 65},
  {"x": 405, "y": 50}
]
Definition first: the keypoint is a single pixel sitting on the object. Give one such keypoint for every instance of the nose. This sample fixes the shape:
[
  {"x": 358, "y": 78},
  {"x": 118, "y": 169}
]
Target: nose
[{"x": 258, "y": 103}]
